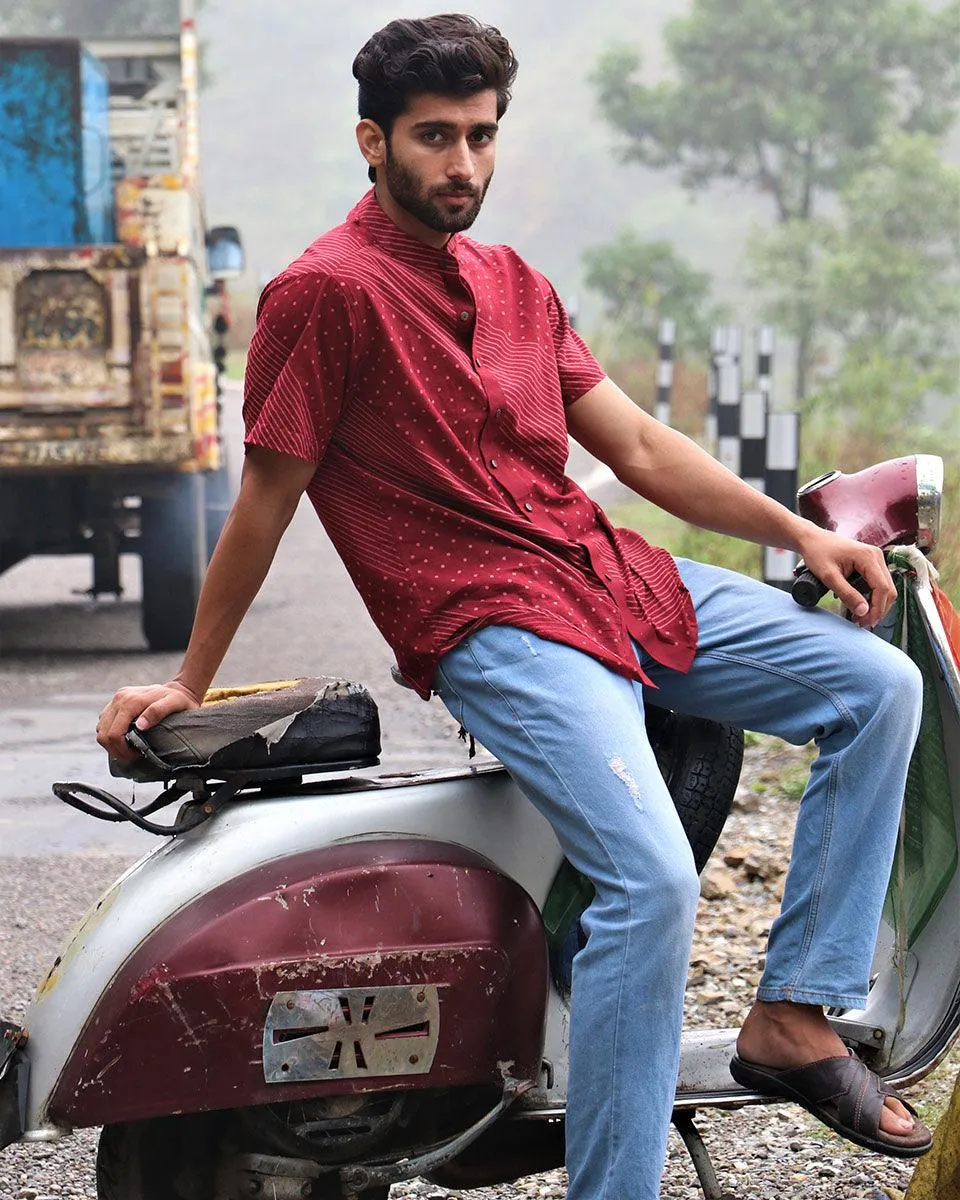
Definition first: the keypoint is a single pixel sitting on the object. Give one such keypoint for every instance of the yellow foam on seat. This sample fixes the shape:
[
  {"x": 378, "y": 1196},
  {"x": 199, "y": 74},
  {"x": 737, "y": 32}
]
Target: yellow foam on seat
[{"x": 220, "y": 695}]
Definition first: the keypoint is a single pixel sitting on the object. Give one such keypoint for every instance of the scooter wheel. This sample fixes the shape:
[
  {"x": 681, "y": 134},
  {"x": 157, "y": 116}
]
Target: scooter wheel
[{"x": 168, "y": 1158}]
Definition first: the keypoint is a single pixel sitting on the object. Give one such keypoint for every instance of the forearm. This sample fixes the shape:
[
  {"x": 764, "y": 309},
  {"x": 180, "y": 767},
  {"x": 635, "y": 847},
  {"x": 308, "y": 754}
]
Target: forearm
[
  {"x": 677, "y": 475},
  {"x": 235, "y": 575},
  {"x": 673, "y": 472}
]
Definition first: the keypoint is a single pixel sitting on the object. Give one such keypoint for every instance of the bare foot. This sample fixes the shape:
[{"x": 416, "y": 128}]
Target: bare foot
[{"x": 783, "y": 1035}]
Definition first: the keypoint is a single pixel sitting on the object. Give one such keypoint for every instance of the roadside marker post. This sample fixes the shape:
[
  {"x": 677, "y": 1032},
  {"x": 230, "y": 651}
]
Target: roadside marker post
[{"x": 783, "y": 455}]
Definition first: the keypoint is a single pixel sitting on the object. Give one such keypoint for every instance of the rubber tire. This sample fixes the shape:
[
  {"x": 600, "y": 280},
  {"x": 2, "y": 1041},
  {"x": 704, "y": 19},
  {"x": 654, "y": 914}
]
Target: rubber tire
[
  {"x": 218, "y": 499},
  {"x": 173, "y": 545},
  {"x": 700, "y": 761},
  {"x": 145, "y": 1160}
]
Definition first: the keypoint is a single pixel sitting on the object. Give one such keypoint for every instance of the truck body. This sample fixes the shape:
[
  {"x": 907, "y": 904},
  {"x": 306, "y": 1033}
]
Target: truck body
[{"x": 109, "y": 415}]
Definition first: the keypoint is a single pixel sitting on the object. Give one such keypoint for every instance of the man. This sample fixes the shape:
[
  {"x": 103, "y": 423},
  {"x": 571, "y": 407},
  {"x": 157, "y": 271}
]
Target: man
[{"x": 420, "y": 388}]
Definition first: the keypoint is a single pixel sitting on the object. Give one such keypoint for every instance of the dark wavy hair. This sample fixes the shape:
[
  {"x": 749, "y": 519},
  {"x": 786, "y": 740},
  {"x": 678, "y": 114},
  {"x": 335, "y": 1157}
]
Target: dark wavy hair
[{"x": 446, "y": 55}]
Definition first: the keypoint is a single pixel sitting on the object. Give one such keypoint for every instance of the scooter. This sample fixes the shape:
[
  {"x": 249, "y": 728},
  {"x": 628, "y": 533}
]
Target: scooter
[{"x": 325, "y": 980}]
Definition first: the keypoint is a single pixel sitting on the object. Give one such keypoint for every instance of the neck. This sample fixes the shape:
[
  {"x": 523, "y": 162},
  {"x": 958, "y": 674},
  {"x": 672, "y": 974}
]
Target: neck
[{"x": 408, "y": 223}]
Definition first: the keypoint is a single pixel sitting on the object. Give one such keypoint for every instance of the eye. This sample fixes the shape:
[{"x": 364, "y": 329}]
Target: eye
[{"x": 432, "y": 137}]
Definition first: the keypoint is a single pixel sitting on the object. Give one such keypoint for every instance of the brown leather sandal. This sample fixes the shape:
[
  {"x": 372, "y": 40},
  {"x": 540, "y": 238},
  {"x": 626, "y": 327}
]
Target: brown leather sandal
[{"x": 844, "y": 1094}]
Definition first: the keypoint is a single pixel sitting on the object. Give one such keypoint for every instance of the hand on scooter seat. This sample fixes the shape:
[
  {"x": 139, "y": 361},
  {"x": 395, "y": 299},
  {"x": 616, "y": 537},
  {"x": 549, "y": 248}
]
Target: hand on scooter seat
[
  {"x": 292, "y": 724},
  {"x": 142, "y": 707}
]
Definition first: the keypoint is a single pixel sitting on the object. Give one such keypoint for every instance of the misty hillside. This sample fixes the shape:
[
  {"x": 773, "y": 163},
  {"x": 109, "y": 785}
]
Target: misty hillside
[{"x": 280, "y": 158}]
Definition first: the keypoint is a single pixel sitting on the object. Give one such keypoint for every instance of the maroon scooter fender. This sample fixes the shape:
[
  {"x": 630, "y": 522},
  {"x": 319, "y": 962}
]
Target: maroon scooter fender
[{"x": 369, "y": 966}]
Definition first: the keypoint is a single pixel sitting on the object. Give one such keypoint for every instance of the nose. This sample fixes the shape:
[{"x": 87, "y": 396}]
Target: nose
[{"x": 460, "y": 161}]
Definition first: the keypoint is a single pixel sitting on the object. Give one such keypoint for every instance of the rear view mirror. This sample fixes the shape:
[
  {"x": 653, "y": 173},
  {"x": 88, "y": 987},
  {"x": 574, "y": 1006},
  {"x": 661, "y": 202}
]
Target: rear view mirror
[{"x": 225, "y": 259}]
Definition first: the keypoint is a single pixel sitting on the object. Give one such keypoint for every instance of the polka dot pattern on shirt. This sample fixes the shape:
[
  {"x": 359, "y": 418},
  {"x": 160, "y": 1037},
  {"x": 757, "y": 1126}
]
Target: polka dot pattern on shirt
[{"x": 429, "y": 386}]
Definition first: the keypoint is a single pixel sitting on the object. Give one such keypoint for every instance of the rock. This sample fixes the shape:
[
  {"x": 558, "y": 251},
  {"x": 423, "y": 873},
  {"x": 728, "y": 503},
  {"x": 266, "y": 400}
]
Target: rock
[{"x": 716, "y": 882}]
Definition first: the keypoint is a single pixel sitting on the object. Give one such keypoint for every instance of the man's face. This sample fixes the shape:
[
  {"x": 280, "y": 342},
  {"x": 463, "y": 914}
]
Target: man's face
[{"x": 440, "y": 158}]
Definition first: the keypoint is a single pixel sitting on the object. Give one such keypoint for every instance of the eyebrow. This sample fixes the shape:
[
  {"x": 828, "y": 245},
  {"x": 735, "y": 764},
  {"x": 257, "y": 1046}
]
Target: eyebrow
[{"x": 480, "y": 127}]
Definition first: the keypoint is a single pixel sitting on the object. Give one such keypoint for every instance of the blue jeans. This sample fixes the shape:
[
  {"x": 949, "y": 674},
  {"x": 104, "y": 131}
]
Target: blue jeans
[{"x": 571, "y": 732}]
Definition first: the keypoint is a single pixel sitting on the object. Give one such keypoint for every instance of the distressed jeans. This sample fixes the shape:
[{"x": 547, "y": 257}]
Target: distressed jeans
[{"x": 571, "y": 733}]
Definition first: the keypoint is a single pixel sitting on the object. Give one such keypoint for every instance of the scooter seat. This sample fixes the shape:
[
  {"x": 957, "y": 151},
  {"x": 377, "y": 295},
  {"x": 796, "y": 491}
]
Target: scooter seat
[{"x": 319, "y": 723}]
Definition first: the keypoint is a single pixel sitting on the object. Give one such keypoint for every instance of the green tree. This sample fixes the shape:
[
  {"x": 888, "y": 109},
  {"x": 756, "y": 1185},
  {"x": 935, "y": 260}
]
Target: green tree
[
  {"x": 643, "y": 282},
  {"x": 784, "y": 97},
  {"x": 882, "y": 278}
]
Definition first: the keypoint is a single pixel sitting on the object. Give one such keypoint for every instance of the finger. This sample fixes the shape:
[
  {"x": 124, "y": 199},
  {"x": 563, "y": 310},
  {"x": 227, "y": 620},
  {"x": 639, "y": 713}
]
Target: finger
[
  {"x": 849, "y": 597},
  {"x": 882, "y": 590},
  {"x": 172, "y": 702}
]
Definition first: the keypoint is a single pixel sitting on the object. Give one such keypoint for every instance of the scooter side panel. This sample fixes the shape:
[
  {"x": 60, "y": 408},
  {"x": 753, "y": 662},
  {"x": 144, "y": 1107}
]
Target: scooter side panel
[
  {"x": 477, "y": 808},
  {"x": 195, "y": 1008}
]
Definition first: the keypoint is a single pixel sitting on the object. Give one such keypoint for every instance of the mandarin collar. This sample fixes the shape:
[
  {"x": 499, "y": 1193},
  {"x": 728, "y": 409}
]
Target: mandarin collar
[{"x": 376, "y": 226}]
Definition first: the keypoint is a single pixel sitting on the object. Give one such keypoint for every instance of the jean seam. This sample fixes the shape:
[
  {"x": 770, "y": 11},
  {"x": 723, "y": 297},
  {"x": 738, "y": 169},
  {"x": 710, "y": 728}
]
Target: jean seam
[
  {"x": 830, "y": 800},
  {"x": 614, "y": 1136},
  {"x": 793, "y": 676},
  {"x": 458, "y": 716},
  {"x": 809, "y": 932}
]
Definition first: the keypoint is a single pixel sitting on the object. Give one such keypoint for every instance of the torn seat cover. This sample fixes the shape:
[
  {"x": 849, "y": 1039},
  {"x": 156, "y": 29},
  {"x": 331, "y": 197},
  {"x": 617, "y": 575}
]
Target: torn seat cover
[{"x": 301, "y": 721}]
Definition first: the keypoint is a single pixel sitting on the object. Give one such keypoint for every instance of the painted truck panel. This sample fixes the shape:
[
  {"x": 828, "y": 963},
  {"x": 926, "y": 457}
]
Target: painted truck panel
[{"x": 55, "y": 186}]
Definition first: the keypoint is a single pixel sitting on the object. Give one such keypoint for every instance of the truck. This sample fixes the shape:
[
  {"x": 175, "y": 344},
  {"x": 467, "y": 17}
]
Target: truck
[{"x": 112, "y": 317}]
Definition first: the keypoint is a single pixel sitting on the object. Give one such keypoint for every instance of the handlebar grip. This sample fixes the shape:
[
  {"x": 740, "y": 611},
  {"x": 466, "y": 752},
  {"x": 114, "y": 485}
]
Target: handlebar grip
[{"x": 807, "y": 589}]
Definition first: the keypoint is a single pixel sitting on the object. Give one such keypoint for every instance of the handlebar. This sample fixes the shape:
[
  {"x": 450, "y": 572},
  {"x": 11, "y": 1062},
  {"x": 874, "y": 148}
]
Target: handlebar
[{"x": 808, "y": 591}]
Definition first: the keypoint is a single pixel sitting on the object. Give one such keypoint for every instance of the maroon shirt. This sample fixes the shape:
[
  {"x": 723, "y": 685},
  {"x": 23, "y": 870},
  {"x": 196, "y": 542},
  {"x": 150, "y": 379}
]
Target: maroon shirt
[{"x": 429, "y": 386}]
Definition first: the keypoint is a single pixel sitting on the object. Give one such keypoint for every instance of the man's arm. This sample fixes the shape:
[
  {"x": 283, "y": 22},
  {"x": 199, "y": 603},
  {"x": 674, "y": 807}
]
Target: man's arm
[
  {"x": 668, "y": 469},
  {"x": 270, "y": 489}
]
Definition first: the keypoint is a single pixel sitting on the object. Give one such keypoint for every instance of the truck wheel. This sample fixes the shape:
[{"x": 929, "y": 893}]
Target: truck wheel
[
  {"x": 173, "y": 559},
  {"x": 218, "y": 498}
]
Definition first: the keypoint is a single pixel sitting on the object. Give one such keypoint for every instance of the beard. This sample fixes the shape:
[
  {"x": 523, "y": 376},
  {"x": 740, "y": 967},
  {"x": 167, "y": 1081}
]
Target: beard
[{"x": 409, "y": 193}]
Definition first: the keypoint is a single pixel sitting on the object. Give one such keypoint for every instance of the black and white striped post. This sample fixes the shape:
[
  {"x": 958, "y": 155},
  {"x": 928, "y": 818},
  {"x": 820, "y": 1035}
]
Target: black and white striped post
[
  {"x": 765, "y": 349},
  {"x": 729, "y": 381},
  {"x": 718, "y": 344},
  {"x": 783, "y": 456},
  {"x": 666, "y": 340},
  {"x": 753, "y": 439}
]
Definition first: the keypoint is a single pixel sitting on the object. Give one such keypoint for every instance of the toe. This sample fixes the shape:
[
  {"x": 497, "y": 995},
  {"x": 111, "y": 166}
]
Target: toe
[{"x": 895, "y": 1118}]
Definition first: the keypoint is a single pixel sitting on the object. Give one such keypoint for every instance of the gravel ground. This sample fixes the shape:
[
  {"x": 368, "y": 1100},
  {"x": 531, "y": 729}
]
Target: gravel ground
[{"x": 759, "y": 1153}]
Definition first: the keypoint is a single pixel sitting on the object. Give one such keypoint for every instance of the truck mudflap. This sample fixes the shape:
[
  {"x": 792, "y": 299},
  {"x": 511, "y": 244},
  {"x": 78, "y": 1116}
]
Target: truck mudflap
[
  {"x": 14, "y": 1074},
  {"x": 379, "y": 965}
]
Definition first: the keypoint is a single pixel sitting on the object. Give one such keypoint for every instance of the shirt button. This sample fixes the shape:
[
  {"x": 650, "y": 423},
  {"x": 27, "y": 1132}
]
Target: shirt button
[
  {"x": 528, "y": 507},
  {"x": 493, "y": 464},
  {"x": 464, "y": 316}
]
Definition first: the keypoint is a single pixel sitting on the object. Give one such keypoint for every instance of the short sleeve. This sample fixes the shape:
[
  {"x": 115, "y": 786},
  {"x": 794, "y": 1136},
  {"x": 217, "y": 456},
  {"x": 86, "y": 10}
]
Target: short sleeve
[
  {"x": 297, "y": 366},
  {"x": 579, "y": 370}
]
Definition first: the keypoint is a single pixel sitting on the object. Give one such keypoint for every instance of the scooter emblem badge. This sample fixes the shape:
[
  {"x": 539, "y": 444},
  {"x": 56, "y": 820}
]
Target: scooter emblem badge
[{"x": 351, "y": 1033}]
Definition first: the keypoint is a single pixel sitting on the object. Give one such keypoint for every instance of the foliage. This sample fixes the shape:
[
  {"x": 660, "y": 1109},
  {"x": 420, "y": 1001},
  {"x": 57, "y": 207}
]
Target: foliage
[
  {"x": 879, "y": 280},
  {"x": 643, "y": 282},
  {"x": 91, "y": 18},
  {"x": 790, "y": 99},
  {"x": 782, "y": 96}
]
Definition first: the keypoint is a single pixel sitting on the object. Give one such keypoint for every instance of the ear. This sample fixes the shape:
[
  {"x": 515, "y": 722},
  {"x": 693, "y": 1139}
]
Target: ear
[{"x": 372, "y": 142}]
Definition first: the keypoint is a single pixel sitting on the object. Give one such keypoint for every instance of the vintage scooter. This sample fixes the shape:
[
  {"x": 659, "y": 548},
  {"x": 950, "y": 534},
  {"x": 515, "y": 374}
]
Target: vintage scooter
[{"x": 326, "y": 980}]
